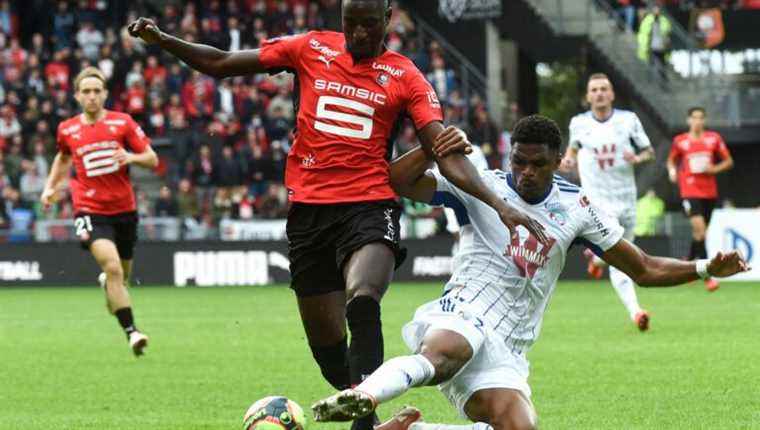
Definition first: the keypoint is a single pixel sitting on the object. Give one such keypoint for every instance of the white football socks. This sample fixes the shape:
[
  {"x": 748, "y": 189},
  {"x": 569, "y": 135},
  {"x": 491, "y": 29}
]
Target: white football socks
[
  {"x": 396, "y": 376},
  {"x": 626, "y": 290},
  {"x": 428, "y": 426}
]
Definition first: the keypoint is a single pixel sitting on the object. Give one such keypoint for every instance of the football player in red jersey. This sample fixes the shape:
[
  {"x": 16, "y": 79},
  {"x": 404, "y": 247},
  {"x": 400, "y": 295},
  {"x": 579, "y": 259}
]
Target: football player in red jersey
[
  {"x": 695, "y": 158},
  {"x": 101, "y": 144},
  {"x": 343, "y": 226}
]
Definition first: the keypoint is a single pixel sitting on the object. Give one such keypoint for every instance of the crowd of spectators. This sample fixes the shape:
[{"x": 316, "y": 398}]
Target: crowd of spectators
[{"x": 222, "y": 143}]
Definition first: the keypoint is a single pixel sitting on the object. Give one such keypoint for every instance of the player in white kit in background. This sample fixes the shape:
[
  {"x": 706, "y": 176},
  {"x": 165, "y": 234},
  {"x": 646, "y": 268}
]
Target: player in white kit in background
[
  {"x": 603, "y": 145},
  {"x": 472, "y": 342}
]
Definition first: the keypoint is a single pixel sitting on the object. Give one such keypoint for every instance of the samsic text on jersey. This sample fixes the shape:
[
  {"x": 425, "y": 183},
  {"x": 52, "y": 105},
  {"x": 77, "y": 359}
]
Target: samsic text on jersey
[{"x": 348, "y": 114}]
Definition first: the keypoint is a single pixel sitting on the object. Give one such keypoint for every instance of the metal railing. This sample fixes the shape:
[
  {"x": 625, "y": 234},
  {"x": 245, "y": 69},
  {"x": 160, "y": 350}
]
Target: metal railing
[
  {"x": 668, "y": 93},
  {"x": 472, "y": 81}
]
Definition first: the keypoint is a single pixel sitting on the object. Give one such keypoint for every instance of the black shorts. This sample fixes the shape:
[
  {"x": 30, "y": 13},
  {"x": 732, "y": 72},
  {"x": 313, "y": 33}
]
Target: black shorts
[
  {"x": 695, "y": 207},
  {"x": 321, "y": 238},
  {"x": 121, "y": 229}
]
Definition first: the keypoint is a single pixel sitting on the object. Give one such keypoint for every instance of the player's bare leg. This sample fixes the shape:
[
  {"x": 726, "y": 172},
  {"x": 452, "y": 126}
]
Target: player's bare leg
[
  {"x": 698, "y": 249},
  {"x": 442, "y": 354},
  {"x": 126, "y": 267},
  {"x": 324, "y": 321},
  {"x": 368, "y": 272},
  {"x": 502, "y": 409},
  {"x": 117, "y": 298}
]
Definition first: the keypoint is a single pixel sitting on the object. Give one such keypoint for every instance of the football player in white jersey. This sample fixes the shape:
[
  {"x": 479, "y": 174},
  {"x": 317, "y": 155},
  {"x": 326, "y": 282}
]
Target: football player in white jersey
[
  {"x": 603, "y": 145},
  {"x": 472, "y": 342}
]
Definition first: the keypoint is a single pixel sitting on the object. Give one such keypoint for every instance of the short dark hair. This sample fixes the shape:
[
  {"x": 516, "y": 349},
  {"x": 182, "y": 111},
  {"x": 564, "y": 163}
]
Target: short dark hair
[
  {"x": 697, "y": 109},
  {"x": 537, "y": 129}
]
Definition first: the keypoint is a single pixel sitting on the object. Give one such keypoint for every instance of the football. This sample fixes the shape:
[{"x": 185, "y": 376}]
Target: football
[{"x": 274, "y": 413}]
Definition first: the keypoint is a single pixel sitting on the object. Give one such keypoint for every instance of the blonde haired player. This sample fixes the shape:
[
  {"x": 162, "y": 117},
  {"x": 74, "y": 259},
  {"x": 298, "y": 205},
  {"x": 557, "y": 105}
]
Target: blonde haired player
[
  {"x": 101, "y": 145},
  {"x": 604, "y": 142}
]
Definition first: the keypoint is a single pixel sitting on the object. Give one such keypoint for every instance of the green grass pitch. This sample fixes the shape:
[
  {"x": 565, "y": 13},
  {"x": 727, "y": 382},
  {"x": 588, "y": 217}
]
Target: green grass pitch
[{"x": 65, "y": 365}]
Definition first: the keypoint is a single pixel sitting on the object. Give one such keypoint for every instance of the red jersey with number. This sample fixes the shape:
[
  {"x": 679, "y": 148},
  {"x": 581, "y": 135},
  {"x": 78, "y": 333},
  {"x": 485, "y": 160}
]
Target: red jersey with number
[
  {"x": 101, "y": 186},
  {"x": 348, "y": 115},
  {"x": 693, "y": 157}
]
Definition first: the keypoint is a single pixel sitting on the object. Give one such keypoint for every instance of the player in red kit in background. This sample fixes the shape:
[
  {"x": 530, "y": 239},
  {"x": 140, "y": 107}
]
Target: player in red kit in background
[
  {"x": 343, "y": 227},
  {"x": 695, "y": 158},
  {"x": 101, "y": 144}
]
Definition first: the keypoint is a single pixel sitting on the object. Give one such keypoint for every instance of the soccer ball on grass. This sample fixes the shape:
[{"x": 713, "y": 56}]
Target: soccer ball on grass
[{"x": 274, "y": 413}]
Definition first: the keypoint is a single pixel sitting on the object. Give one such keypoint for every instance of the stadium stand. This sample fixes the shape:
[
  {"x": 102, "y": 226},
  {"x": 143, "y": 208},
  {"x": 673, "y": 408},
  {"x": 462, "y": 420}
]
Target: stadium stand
[{"x": 222, "y": 144}]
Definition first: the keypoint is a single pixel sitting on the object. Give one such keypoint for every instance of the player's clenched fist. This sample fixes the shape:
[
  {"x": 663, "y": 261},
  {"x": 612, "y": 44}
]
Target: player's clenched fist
[
  {"x": 145, "y": 29},
  {"x": 727, "y": 264},
  {"x": 48, "y": 197},
  {"x": 451, "y": 140}
]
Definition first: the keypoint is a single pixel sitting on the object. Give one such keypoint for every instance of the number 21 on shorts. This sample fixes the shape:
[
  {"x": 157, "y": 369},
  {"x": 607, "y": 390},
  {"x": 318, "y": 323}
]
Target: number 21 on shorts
[{"x": 83, "y": 226}]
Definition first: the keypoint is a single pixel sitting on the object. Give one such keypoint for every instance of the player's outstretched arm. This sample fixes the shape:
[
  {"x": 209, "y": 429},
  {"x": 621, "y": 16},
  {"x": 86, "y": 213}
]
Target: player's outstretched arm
[
  {"x": 58, "y": 171},
  {"x": 652, "y": 271},
  {"x": 203, "y": 58},
  {"x": 460, "y": 172}
]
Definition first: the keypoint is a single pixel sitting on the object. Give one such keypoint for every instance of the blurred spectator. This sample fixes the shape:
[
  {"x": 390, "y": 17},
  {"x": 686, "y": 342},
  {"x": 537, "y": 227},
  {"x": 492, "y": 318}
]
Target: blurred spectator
[
  {"x": 187, "y": 200},
  {"x": 41, "y": 158},
  {"x": 273, "y": 204},
  {"x": 442, "y": 79},
  {"x": 42, "y": 133},
  {"x": 484, "y": 134},
  {"x": 198, "y": 96},
  {"x": 283, "y": 101},
  {"x": 89, "y": 39},
  {"x": 57, "y": 71},
  {"x": 654, "y": 39},
  {"x": 278, "y": 127},
  {"x": 230, "y": 173},
  {"x": 234, "y": 35},
  {"x": 166, "y": 204},
  {"x": 13, "y": 160},
  {"x": 224, "y": 100},
  {"x": 143, "y": 204},
  {"x": 31, "y": 184},
  {"x": 258, "y": 168},
  {"x": 649, "y": 210},
  {"x": 9, "y": 125},
  {"x": 204, "y": 174},
  {"x": 63, "y": 26},
  {"x": 153, "y": 70},
  {"x": 627, "y": 11}
]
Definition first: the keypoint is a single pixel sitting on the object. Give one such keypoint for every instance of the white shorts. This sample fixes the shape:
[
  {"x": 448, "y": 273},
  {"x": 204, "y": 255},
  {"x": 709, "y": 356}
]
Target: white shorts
[
  {"x": 624, "y": 213},
  {"x": 493, "y": 365}
]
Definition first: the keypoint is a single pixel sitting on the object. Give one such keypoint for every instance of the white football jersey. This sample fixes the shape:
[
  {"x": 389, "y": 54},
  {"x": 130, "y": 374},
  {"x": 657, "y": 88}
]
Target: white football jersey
[
  {"x": 506, "y": 281},
  {"x": 605, "y": 175}
]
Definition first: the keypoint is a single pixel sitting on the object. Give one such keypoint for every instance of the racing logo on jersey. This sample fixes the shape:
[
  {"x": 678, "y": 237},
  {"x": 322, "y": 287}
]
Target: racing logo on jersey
[{"x": 527, "y": 254}]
